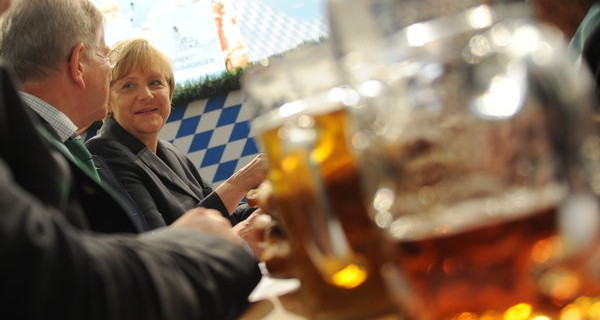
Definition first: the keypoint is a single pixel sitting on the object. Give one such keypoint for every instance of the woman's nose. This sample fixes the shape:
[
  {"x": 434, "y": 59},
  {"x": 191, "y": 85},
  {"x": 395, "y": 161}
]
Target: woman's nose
[{"x": 146, "y": 93}]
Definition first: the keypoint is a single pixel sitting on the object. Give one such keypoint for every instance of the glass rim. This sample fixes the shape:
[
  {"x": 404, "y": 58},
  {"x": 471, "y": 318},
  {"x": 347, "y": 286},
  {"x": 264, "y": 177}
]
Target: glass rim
[{"x": 328, "y": 101}]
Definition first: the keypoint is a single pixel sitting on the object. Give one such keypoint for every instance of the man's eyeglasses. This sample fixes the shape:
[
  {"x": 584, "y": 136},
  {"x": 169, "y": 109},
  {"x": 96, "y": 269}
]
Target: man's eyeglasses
[{"x": 107, "y": 55}]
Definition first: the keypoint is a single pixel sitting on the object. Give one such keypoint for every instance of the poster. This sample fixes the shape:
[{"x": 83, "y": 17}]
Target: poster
[{"x": 205, "y": 37}]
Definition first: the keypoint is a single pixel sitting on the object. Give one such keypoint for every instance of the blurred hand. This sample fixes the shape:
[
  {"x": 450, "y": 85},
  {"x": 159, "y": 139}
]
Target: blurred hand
[
  {"x": 208, "y": 221},
  {"x": 261, "y": 197},
  {"x": 253, "y": 229},
  {"x": 268, "y": 242}
]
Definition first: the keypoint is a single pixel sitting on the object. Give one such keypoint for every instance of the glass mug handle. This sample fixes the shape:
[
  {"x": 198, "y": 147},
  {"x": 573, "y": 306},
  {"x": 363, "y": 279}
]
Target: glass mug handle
[{"x": 326, "y": 245}]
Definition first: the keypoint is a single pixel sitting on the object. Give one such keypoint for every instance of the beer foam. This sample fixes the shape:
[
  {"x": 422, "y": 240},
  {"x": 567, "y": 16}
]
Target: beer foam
[{"x": 514, "y": 203}]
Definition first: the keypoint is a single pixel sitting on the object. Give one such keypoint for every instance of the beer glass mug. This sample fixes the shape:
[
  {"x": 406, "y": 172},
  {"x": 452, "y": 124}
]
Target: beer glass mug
[
  {"x": 303, "y": 127},
  {"x": 491, "y": 171},
  {"x": 360, "y": 29}
]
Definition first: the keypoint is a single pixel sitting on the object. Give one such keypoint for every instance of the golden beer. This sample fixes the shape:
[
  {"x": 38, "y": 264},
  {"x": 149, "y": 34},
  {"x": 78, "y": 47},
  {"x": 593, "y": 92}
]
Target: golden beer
[
  {"x": 314, "y": 184},
  {"x": 509, "y": 270},
  {"x": 484, "y": 225},
  {"x": 480, "y": 224}
]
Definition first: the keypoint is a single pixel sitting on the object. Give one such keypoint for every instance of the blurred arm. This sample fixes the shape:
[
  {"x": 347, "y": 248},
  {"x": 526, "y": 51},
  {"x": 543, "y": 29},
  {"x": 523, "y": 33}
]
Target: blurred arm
[{"x": 51, "y": 270}]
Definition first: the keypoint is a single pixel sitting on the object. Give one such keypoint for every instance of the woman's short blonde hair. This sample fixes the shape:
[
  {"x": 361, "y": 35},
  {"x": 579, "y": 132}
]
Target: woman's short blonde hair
[{"x": 127, "y": 55}]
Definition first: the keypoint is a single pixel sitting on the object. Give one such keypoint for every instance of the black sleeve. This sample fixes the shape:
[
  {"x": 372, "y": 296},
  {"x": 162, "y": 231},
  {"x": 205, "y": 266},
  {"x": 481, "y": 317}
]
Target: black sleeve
[
  {"x": 241, "y": 212},
  {"x": 49, "y": 270}
]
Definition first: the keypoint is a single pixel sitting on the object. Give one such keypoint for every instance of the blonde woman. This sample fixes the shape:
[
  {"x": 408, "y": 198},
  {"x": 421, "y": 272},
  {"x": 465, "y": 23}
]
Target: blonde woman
[{"x": 161, "y": 179}]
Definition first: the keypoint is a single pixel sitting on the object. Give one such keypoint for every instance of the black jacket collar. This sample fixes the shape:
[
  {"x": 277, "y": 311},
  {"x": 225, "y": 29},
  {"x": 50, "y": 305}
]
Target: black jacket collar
[{"x": 112, "y": 129}]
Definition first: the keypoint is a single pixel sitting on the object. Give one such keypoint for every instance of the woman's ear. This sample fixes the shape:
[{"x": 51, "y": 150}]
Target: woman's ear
[{"x": 76, "y": 67}]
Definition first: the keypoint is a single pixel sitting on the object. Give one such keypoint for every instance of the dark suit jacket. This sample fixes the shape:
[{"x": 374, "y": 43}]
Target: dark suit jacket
[
  {"x": 164, "y": 185},
  {"x": 104, "y": 209},
  {"x": 110, "y": 186},
  {"x": 55, "y": 268}
]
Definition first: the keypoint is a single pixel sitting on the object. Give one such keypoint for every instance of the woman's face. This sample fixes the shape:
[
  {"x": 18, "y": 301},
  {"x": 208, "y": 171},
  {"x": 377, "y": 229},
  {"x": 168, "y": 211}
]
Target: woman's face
[{"x": 141, "y": 102}]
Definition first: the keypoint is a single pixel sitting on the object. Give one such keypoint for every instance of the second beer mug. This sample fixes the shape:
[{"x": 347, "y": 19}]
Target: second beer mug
[
  {"x": 494, "y": 173},
  {"x": 303, "y": 128}
]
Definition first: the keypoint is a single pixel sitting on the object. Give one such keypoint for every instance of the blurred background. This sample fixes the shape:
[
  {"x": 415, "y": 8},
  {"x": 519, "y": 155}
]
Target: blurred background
[{"x": 209, "y": 36}]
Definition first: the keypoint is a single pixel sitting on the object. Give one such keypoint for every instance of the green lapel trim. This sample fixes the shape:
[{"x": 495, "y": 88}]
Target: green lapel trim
[{"x": 65, "y": 151}]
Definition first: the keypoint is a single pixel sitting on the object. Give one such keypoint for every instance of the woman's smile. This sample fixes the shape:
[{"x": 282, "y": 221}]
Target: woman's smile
[{"x": 147, "y": 111}]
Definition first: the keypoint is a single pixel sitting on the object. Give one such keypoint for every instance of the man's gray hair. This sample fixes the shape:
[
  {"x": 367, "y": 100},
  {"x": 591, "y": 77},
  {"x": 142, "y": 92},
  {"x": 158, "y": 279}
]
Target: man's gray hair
[{"x": 37, "y": 36}]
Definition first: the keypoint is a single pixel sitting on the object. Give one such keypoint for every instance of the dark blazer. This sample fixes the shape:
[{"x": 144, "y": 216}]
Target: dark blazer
[
  {"x": 164, "y": 185},
  {"x": 53, "y": 267},
  {"x": 127, "y": 203},
  {"x": 105, "y": 208}
]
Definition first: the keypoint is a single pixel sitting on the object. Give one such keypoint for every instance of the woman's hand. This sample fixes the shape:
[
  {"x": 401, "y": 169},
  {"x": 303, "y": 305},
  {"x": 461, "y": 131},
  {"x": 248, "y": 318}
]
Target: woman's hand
[
  {"x": 251, "y": 175},
  {"x": 234, "y": 189}
]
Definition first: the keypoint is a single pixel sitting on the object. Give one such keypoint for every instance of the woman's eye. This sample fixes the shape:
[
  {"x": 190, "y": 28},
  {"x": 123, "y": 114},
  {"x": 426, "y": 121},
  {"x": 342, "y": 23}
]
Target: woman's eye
[
  {"x": 156, "y": 83},
  {"x": 127, "y": 85}
]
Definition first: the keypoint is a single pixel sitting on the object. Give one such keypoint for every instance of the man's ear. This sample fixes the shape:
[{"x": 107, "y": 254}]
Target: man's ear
[
  {"x": 111, "y": 103},
  {"x": 76, "y": 66}
]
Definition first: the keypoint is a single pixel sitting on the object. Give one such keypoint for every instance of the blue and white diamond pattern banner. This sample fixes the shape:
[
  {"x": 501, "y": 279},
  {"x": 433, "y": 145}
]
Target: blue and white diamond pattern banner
[
  {"x": 215, "y": 134},
  {"x": 273, "y": 26}
]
